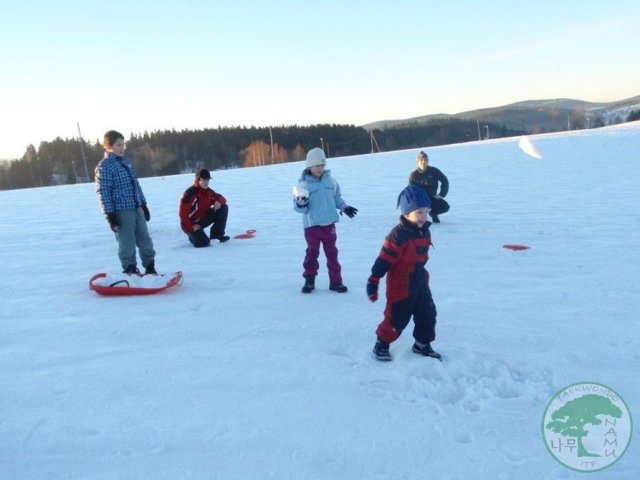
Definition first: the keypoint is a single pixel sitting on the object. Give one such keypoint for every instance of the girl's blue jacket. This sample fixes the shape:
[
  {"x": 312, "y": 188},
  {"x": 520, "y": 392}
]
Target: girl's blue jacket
[{"x": 324, "y": 200}]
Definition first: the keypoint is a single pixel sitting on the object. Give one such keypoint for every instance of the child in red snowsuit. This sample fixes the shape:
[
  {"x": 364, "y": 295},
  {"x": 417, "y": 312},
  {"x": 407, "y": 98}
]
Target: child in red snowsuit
[{"x": 402, "y": 258}]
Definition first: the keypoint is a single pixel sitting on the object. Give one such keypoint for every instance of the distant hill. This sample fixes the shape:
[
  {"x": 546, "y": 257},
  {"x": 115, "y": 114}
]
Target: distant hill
[{"x": 536, "y": 115}]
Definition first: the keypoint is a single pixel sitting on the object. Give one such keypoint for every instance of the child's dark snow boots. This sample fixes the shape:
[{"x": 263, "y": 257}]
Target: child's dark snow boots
[
  {"x": 150, "y": 269},
  {"x": 425, "y": 351},
  {"x": 338, "y": 287},
  {"x": 220, "y": 238},
  {"x": 131, "y": 270},
  {"x": 381, "y": 351},
  {"x": 309, "y": 284}
]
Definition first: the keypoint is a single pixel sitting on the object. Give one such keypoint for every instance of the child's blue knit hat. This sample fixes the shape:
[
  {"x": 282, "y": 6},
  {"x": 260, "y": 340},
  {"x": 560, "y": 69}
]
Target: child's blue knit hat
[{"x": 412, "y": 198}]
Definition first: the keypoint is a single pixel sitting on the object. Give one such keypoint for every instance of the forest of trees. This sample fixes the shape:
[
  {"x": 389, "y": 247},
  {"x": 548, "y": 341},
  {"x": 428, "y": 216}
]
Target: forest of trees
[
  {"x": 633, "y": 116},
  {"x": 67, "y": 161},
  {"x": 169, "y": 152}
]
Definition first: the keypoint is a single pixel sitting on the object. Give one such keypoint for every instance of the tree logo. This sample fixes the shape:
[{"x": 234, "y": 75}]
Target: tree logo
[{"x": 587, "y": 426}]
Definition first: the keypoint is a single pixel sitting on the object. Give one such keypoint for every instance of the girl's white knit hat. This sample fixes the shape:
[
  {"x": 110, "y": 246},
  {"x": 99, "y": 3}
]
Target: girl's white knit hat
[{"x": 315, "y": 157}]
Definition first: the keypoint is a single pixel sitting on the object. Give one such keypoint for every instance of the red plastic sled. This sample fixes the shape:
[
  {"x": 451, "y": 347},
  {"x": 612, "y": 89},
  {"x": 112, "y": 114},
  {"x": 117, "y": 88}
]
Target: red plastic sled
[
  {"x": 122, "y": 287},
  {"x": 514, "y": 246},
  {"x": 247, "y": 234}
]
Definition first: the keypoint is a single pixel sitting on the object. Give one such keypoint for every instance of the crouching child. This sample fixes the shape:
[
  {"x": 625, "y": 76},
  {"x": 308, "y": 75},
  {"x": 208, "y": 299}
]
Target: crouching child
[{"x": 402, "y": 259}]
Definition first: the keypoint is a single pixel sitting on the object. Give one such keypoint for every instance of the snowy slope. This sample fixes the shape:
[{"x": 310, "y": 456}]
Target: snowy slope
[{"x": 236, "y": 374}]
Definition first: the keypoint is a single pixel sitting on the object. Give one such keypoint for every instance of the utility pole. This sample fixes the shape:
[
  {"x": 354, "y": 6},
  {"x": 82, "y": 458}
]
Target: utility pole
[
  {"x": 487, "y": 127},
  {"x": 75, "y": 173},
  {"x": 271, "y": 138},
  {"x": 84, "y": 157},
  {"x": 479, "y": 135},
  {"x": 373, "y": 142}
]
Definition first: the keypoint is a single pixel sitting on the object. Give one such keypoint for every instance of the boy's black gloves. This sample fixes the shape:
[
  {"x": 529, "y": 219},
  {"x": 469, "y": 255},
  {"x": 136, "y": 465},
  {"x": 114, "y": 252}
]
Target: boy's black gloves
[
  {"x": 372, "y": 288},
  {"x": 350, "y": 211},
  {"x": 113, "y": 222},
  {"x": 145, "y": 211}
]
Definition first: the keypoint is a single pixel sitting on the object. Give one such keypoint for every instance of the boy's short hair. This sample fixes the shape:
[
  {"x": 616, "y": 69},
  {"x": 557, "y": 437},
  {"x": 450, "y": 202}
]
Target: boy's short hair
[{"x": 110, "y": 138}]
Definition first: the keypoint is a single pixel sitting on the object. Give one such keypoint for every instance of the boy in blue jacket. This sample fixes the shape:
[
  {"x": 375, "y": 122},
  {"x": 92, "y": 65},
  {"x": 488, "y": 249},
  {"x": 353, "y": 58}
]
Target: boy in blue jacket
[
  {"x": 317, "y": 197},
  {"x": 121, "y": 200},
  {"x": 402, "y": 258}
]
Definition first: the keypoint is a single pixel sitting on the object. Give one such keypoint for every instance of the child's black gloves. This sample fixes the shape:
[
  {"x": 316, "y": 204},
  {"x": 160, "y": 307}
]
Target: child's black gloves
[
  {"x": 145, "y": 211},
  {"x": 350, "y": 211},
  {"x": 372, "y": 288},
  {"x": 113, "y": 222}
]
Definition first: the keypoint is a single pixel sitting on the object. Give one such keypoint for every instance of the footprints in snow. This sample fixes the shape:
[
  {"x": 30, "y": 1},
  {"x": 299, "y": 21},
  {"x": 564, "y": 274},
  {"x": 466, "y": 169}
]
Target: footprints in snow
[{"x": 466, "y": 384}]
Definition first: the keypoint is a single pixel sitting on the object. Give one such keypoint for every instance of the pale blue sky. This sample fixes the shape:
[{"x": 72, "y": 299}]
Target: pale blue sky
[{"x": 147, "y": 65}]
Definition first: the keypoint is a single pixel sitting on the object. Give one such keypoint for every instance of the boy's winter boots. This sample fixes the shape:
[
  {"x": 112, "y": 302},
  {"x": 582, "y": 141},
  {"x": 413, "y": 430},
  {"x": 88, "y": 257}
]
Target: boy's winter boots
[
  {"x": 131, "y": 270},
  {"x": 150, "y": 269},
  {"x": 381, "y": 351},
  {"x": 220, "y": 238},
  {"x": 425, "y": 351},
  {"x": 309, "y": 284}
]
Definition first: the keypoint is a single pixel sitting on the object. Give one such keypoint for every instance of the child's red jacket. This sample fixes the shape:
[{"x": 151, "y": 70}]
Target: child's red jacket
[
  {"x": 194, "y": 204},
  {"x": 403, "y": 257}
]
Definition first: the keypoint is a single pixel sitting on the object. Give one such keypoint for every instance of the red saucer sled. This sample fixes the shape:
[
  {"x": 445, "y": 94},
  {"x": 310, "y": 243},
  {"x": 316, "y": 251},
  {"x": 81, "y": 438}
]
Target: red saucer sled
[
  {"x": 247, "y": 234},
  {"x": 133, "y": 284},
  {"x": 515, "y": 246}
]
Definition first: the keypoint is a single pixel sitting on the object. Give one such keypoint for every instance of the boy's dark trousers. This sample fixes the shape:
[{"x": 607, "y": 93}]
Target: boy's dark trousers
[
  {"x": 218, "y": 220},
  {"x": 398, "y": 312},
  {"x": 438, "y": 206}
]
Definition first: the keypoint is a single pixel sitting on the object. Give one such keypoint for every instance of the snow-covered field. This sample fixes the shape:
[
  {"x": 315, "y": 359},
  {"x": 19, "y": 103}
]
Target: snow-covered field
[{"x": 237, "y": 375}]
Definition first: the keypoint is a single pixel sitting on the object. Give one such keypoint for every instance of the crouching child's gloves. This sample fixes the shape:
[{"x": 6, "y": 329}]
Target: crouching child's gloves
[
  {"x": 145, "y": 211},
  {"x": 372, "y": 288},
  {"x": 113, "y": 222},
  {"x": 350, "y": 211}
]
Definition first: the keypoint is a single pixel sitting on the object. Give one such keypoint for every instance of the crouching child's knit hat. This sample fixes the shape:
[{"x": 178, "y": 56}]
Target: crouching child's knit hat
[
  {"x": 412, "y": 198},
  {"x": 203, "y": 174}
]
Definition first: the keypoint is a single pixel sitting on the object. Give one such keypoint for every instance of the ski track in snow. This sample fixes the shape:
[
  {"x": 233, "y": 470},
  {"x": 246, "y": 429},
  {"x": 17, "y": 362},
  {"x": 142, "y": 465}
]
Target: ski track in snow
[{"x": 236, "y": 374}]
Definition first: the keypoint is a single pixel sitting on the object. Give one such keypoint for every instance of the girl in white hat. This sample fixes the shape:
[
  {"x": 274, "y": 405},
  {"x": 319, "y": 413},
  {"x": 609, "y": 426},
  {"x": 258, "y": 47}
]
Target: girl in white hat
[{"x": 317, "y": 197}]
